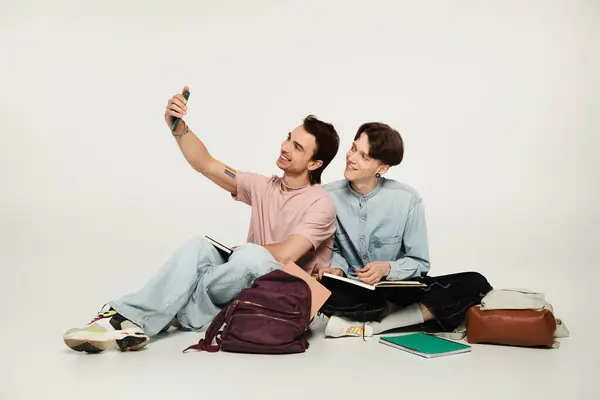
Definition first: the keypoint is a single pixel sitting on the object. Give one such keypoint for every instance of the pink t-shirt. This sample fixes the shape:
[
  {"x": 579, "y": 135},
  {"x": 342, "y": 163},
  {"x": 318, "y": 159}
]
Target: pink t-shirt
[{"x": 279, "y": 213}]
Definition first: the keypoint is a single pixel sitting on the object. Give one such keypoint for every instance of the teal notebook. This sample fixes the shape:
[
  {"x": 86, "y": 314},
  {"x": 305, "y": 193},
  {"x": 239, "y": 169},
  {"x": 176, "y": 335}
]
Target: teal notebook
[{"x": 425, "y": 345}]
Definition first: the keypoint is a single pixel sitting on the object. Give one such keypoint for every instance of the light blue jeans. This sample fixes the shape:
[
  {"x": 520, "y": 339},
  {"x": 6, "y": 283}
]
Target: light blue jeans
[{"x": 194, "y": 285}]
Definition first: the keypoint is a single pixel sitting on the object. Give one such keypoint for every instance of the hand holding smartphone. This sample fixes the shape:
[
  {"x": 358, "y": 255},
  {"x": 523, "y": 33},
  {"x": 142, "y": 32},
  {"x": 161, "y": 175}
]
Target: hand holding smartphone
[{"x": 177, "y": 108}]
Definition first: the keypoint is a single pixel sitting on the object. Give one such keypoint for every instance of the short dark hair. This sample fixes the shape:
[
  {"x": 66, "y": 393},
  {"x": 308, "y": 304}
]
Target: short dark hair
[
  {"x": 385, "y": 143},
  {"x": 327, "y": 141}
]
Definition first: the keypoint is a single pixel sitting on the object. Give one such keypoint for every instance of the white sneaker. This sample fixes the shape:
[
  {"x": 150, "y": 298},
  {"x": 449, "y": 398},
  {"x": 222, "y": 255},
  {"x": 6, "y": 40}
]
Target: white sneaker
[
  {"x": 338, "y": 327},
  {"x": 108, "y": 329}
]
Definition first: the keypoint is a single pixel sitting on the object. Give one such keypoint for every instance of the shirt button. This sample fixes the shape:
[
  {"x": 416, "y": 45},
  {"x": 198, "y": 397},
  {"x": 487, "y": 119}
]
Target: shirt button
[
  {"x": 362, "y": 236},
  {"x": 365, "y": 257},
  {"x": 364, "y": 218}
]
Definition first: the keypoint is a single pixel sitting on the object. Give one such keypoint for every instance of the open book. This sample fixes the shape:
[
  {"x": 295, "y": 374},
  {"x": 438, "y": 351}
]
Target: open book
[
  {"x": 221, "y": 248},
  {"x": 378, "y": 284}
]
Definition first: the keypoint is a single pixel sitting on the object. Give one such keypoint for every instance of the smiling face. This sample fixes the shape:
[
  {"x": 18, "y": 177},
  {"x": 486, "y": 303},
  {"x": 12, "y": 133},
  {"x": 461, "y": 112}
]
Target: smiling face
[
  {"x": 297, "y": 151},
  {"x": 360, "y": 167}
]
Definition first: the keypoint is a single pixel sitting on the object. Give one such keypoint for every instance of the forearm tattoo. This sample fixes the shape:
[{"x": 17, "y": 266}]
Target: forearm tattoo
[{"x": 230, "y": 172}]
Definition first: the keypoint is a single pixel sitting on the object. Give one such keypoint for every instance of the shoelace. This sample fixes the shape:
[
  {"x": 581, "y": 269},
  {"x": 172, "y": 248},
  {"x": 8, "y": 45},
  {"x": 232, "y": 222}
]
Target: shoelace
[
  {"x": 364, "y": 326},
  {"x": 100, "y": 315}
]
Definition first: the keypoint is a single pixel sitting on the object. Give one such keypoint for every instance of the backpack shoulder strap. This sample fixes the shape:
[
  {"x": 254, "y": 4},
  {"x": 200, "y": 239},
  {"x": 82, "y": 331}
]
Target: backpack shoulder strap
[{"x": 213, "y": 331}]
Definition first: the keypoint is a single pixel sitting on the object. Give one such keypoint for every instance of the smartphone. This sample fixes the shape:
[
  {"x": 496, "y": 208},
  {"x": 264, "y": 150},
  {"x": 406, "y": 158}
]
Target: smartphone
[{"x": 186, "y": 95}]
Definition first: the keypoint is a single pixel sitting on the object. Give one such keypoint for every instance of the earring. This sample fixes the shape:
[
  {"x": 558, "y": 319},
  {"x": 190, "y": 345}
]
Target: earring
[{"x": 378, "y": 175}]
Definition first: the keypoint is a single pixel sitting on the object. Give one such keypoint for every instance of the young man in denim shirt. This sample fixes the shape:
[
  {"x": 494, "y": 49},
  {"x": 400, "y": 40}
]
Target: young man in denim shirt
[{"x": 381, "y": 234}]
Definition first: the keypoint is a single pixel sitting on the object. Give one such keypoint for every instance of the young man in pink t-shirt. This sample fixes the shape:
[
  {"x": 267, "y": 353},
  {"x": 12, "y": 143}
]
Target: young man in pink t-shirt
[{"x": 293, "y": 219}]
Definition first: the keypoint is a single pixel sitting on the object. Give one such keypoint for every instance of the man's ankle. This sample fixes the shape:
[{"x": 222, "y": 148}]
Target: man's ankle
[{"x": 427, "y": 315}]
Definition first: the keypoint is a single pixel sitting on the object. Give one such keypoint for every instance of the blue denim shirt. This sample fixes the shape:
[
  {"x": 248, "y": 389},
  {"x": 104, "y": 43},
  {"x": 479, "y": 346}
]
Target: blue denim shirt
[{"x": 387, "y": 224}]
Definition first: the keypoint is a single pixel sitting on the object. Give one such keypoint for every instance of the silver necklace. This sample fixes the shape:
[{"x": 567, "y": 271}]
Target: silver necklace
[{"x": 293, "y": 188}]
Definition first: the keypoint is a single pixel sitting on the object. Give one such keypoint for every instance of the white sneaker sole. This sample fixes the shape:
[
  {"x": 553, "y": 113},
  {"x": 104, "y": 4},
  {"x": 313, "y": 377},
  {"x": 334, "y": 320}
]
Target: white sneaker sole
[{"x": 96, "y": 342}]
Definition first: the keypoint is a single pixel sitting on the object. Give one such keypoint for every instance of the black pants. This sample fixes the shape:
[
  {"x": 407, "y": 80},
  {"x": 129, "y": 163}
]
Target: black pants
[{"x": 448, "y": 297}]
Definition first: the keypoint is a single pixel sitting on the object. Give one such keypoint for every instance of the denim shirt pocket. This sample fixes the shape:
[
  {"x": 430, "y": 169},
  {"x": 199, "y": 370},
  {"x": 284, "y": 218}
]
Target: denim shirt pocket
[{"x": 385, "y": 248}]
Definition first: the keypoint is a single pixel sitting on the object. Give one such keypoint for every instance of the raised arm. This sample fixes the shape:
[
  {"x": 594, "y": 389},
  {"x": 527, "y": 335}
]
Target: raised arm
[{"x": 194, "y": 151}]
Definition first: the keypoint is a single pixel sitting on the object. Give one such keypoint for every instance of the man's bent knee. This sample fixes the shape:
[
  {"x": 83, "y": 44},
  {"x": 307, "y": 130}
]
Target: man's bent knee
[
  {"x": 477, "y": 280},
  {"x": 251, "y": 251},
  {"x": 198, "y": 243},
  {"x": 253, "y": 260}
]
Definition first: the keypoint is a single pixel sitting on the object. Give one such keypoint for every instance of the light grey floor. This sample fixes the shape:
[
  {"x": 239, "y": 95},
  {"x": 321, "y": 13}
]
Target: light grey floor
[
  {"x": 59, "y": 282},
  {"x": 35, "y": 364}
]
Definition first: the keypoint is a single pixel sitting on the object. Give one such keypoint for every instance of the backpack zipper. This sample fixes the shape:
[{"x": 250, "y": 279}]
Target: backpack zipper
[{"x": 261, "y": 306}]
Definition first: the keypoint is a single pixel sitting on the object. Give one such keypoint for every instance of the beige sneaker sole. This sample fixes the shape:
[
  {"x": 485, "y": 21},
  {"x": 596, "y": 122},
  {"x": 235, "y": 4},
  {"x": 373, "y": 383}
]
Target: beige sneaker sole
[{"x": 96, "y": 342}]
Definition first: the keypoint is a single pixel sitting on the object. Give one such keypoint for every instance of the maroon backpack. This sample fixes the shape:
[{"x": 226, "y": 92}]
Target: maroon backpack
[{"x": 271, "y": 317}]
